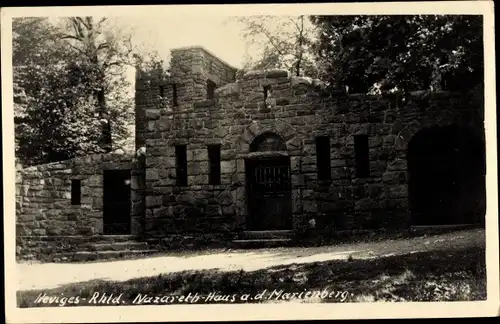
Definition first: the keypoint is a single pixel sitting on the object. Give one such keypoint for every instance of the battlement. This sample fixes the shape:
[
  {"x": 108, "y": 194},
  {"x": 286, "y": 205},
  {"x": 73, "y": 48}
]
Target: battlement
[
  {"x": 193, "y": 76},
  {"x": 203, "y": 51},
  {"x": 201, "y": 86}
]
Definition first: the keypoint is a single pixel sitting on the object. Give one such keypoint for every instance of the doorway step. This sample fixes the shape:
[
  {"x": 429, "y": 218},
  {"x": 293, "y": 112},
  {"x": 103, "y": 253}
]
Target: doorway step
[
  {"x": 107, "y": 247},
  {"x": 441, "y": 229},
  {"x": 262, "y": 239}
]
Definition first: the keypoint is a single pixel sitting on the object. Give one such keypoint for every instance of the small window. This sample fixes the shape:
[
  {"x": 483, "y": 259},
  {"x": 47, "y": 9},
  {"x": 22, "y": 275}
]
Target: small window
[
  {"x": 323, "y": 158},
  {"x": 181, "y": 165},
  {"x": 361, "y": 150},
  {"x": 267, "y": 91},
  {"x": 76, "y": 192},
  {"x": 162, "y": 91},
  {"x": 211, "y": 86},
  {"x": 174, "y": 94},
  {"x": 214, "y": 158}
]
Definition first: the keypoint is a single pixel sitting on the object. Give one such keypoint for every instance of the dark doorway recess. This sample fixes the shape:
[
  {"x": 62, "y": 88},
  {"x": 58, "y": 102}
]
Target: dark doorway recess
[
  {"x": 117, "y": 202},
  {"x": 269, "y": 194},
  {"x": 446, "y": 168},
  {"x": 269, "y": 185}
]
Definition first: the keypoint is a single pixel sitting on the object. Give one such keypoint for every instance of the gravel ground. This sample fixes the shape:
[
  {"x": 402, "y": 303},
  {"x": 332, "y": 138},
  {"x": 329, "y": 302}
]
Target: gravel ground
[{"x": 34, "y": 276}]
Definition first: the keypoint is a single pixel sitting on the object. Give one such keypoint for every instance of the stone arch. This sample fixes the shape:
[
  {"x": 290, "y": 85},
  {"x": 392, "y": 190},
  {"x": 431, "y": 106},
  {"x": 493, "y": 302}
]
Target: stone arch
[
  {"x": 415, "y": 127},
  {"x": 257, "y": 128},
  {"x": 268, "y": 141},
  {"x": 446, "y": 168},
  {"x": 269, "y": 190}
]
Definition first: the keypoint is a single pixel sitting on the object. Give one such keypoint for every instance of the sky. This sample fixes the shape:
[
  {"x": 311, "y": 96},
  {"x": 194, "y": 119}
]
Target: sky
[
  {"x": 217, "y": 34},
  {"x": 163, "y": 31}
]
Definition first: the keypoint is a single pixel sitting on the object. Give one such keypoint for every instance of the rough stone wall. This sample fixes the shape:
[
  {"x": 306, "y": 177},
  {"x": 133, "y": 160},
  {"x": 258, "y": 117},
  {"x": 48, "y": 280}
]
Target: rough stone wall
[
  {"x": 297, "y": 109},
  {"x": 43, "y": 198},
  {"x": 190, "y": 69}
]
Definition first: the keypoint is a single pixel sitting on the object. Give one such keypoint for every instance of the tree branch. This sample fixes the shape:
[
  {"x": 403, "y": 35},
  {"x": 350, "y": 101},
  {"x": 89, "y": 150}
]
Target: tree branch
[{"x": 67, "y": 36}]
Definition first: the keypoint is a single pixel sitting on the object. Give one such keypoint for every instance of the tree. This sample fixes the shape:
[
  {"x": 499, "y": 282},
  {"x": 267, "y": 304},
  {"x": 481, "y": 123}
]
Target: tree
[
  {"x": 57, "y": 93},
  {"x": 284, "y": 43},
  {"x": 385, "y": 53},
  {"x": 107, "y": 55}
]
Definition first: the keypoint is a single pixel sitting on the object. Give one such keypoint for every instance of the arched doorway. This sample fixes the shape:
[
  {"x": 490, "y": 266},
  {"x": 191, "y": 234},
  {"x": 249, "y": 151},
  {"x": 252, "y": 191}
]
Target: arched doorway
[
  {"x": 268, "y": 184},
  {"x": 446, "y": 168}
]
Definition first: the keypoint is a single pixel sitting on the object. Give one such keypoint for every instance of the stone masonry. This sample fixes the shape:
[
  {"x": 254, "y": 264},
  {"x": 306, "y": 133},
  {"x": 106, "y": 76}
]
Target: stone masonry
[
  {"x": 43, "y": 201},
  {"x": 200, "y": 103},
  {"x": 298, "y": 110}
]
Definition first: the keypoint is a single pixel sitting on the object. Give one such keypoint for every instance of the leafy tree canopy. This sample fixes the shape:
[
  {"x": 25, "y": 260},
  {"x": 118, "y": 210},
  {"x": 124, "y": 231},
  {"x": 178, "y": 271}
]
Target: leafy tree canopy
[
  {"x": 384, "y": 53},
  {"x": 72, "y": 94},
  {"x": 282, "y": 42}
]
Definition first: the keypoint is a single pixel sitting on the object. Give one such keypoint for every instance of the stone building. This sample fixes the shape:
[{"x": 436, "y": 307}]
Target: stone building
[{"x": 226, "y": 159}]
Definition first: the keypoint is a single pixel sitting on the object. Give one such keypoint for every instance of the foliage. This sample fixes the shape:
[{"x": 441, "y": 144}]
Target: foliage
[
  {"x": 69, "y": 82},
  {"x": 384, "y": 53},
  {"x": 285, "y": 43},
  {"x": 109, "y": 53}
]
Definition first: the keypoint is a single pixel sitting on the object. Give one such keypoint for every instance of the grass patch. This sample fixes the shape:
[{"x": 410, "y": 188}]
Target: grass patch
[{"x": 457, "y": 275}]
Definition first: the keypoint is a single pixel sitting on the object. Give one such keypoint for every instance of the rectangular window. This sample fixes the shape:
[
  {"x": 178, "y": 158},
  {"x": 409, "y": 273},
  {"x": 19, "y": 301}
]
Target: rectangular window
[
  {"x": 362, "y": 153},
  {"x": 211, "y": 86},
  {"x": 267, "y": 91},
  {"x": 174, "y": 94},
  {"x": 181, "y": 165},
  {"x": 214, "y": 159},
  {"x": 76, "y": 192},
  {"x": 162, "y": 91},
  {"x": 323, "y": 158}
]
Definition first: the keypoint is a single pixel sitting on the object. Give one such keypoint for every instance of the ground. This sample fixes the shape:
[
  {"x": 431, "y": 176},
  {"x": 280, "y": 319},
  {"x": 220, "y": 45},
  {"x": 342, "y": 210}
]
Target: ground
[{"x": 438, "y": 267}]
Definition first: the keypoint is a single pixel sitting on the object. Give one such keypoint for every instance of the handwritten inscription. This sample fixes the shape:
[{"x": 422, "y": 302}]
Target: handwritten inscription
[
  {"x": 110, "y": 299},
  {"x": 265, "y": 295},
  {"x": 96, "y": 299}
]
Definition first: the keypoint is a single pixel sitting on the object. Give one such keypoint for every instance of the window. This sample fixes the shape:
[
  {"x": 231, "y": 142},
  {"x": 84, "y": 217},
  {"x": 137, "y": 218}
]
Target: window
[
  {"x": 267, "y": 91},
  {"x": 214, "y": 159},
  {"x": 361, "y": 150},
  {"x": 76, "y": 192},
  {"x": 162, "y": 91},
  {"x": 211, "y": 86},
  {"x": 181, "y": 165},
  {"x": 174, "y": 94},
  {"x": 323, "y": 158}
]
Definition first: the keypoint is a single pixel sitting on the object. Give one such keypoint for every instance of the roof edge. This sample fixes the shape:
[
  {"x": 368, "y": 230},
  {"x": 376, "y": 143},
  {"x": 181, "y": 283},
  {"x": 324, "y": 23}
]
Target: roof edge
[{"x": 206, "y": 51}]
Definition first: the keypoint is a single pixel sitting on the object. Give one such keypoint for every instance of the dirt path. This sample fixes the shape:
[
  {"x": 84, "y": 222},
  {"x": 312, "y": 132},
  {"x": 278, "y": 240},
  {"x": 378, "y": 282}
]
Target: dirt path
[{"x": 33, "y": 276}]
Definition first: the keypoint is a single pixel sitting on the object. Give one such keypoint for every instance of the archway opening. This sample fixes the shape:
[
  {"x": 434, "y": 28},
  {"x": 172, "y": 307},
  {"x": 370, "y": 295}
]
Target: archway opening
[
  {"x": 268, "y": 184},
  {"x": 446, "y": 167}
]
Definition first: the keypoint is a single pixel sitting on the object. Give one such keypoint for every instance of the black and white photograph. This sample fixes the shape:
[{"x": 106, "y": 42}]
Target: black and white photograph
[{"x": 248, "y": 157}]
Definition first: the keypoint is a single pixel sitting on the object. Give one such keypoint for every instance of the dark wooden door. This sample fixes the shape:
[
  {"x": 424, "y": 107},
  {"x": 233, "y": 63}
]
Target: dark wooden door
[
  {"x": 269, "y": 194},
  {"x": 117, "y": 202}
]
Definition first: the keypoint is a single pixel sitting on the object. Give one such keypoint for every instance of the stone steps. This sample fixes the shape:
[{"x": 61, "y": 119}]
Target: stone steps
[
  {"x": 82, "y": 256},
  {"x": 266, "y": 235},
  {"x": 118, "y": 246},
  {"x": 103, "y": 247},
  {"x": 261, "y": 239},
  {"x": 111, "y": 238},
  {"x": 439, "y": 229},
  {"x": 261, "y": 243}
]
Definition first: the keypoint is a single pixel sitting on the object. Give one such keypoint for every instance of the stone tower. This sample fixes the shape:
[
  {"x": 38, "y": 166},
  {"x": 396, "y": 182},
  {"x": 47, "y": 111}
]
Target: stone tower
[{"x": 193, "y": 76}]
